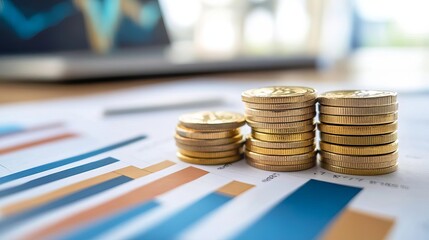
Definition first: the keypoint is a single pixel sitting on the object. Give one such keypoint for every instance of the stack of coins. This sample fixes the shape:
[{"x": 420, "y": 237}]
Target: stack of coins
[
  {"x": 210, "y": 138},
  {"x": 358, "y": 132},
  {"x": 283, "y": 130}
]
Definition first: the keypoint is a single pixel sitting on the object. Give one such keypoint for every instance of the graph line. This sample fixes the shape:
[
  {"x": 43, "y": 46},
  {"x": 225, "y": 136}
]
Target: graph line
[
  {"x": 27, "y": 28},
  {"x": 102, "y": 18}
]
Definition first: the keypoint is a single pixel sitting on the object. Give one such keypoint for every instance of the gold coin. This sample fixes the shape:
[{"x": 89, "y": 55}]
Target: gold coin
[
  {"x": 360, "y": 159},
  {"x": 295, "y": 144},
  {"x": 280, "y": 106},
  {"x": 209, "y": 161},
  {"x": 219, "y": 148},
  {"x": 306, "y": 128},
  {"x": 359, "y": 150},
  {"x": 288, "y": 113},
  {"x": 358, "y": 130},
  {"x": 205, "y": 142},
  {"x": 358, "y": 111},
  {"x": 190, "y": 133},
  {"x": 281, "y": 160},
  {"x": 278, "y": 94},
  {"x": 358, "y": 98},
  {"x": 358, "y": 120},
  {"x": 359, "y": 140},
  {"x": 354, "y": 171},
  {"x": 254, "y": 124},
  {"x": 359, "y": 165},
  {"x": 282, "y": 163},
  {"x": 283, "y": 137},
  {"x": 222, "y": 154},
  {"x": 212, "y": 120},
  {"x": 282, "y": 152},
  {"x": 281, "y": 119},
  {"x": 277, "y": 168}
]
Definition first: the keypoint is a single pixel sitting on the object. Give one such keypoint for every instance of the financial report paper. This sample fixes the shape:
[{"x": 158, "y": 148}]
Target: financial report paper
[{"x": 68, "y": 171}]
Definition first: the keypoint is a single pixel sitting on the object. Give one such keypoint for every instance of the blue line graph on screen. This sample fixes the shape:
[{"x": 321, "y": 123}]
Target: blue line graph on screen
[
  {"x": 29, "y": 27},
  {"x": 101, "y": 18}
]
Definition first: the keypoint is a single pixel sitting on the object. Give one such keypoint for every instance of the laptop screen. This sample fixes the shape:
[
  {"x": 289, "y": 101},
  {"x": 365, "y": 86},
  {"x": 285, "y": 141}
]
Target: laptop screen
[{"x": 102, "y": 26}]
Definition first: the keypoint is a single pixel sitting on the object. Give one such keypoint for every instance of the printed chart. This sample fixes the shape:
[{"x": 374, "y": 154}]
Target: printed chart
[
  {"x": 119, "y": 178},
  {"x": 297, "y": 212}
]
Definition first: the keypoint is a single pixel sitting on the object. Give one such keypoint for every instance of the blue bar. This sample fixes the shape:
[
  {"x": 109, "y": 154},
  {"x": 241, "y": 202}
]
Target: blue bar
[
  {"x": 57, "y": 176},
  {"x": 10, "y": 221},
  {"x": 304, "y": 214},
  {"x": 59, "y": 163},
  {"x": 8, "y": 129},
  {"x": 184, "y": 219},
  {"x": 98, "y": 228}
]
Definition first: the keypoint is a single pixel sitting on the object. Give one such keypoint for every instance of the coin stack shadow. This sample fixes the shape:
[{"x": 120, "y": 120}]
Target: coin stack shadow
[
  {"x": 283, "y": 130},
  {"x": 358, "y": 131},
  {"x": 208, "y": 144}
]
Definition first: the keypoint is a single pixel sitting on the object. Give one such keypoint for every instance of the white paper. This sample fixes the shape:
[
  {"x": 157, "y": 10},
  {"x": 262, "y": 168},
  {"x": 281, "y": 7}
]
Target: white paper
[{"x": 403, "y": 195}]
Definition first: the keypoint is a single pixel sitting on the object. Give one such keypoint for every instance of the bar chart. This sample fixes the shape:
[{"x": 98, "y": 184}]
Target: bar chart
[
  {"x": 184, "y": 219},
  {"x": 63, "y": 162},
  {"x": 97, "y": 182},
  {"x": 311, "y": 209},
  {"x": 316, "y": 209},
  {"x": 141, "y": 195},
  {"x": 30, "y": 208},
  {"x": 303, "y": 214},
  {"x": 56, "y": 176}
]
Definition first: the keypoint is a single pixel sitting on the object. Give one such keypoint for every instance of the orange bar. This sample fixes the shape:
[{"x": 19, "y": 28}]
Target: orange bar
[
  {"x": 354, "y": 225},
  {"x": 130, "y": 199},
  {"x": 234, "y": 188},
  {"x": 36, "y": 142},
  {"x": 159, "y": 166},
  {"x": 130, "y": 171}
]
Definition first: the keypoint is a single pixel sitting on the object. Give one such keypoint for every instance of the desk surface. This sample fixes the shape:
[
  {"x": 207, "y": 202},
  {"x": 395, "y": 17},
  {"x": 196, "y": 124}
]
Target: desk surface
[
  {"x": 11, "y": 92},
  {"x": 391, "y": 69}
]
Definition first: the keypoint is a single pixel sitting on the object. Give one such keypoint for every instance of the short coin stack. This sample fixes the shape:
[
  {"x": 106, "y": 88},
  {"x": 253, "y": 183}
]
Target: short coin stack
[
  {"x": 210, "y": 138},
  {"x": 283, "y": 130},
  {"x": 358, "y": 131}
]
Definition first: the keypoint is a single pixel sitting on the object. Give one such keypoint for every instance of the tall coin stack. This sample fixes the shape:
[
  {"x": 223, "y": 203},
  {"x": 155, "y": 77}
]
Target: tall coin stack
[
  {"x": 358, "y": 131},
  {"x": 283, "y": 130},
  {"x": 210, "y": 138}
]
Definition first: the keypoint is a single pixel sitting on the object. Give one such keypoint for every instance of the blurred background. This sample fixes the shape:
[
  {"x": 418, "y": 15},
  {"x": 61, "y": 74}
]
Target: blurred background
[
  {"x": 383, "y": 40},
  {"x": 332, "y": 27},
  {"x": 378, "y": 43}
]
